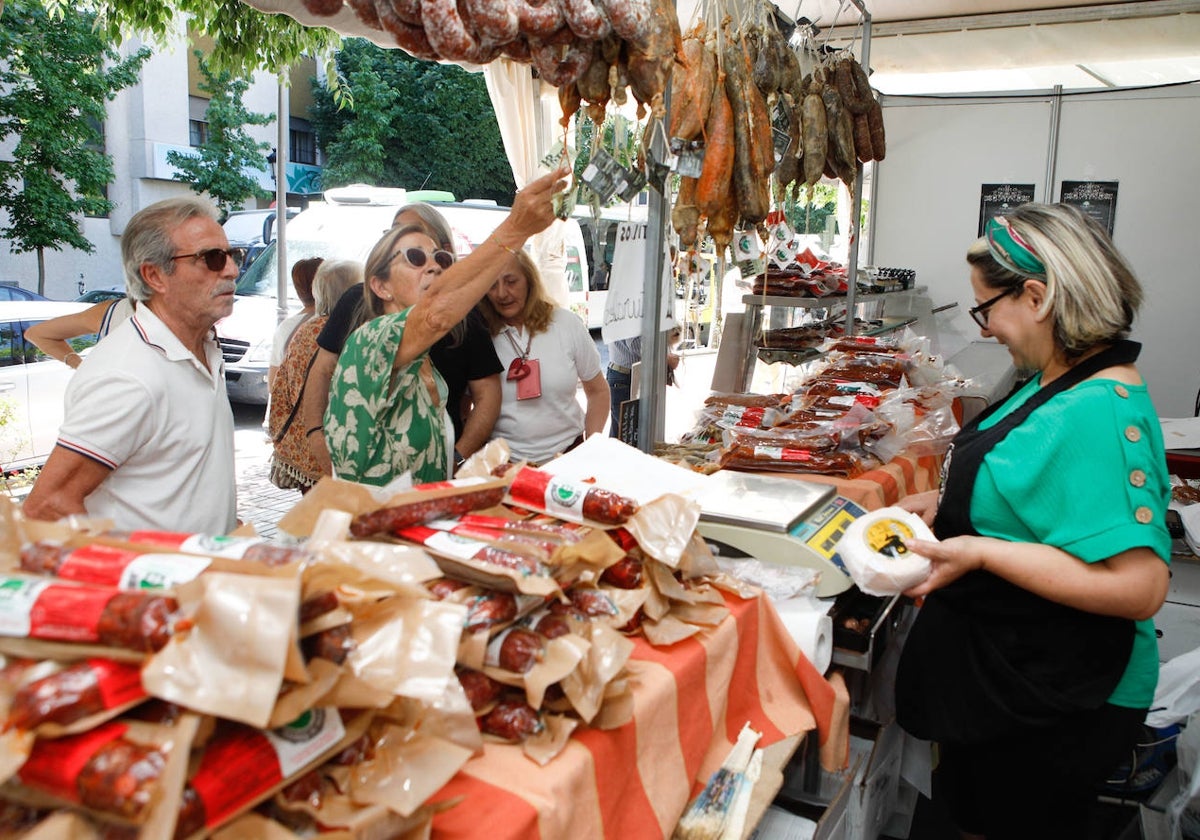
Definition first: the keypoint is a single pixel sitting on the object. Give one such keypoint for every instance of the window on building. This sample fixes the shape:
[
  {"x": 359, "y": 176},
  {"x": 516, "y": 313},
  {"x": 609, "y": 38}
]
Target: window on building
[
  {"x": 197, "y": 133},
  {"x": 303, "y": 143},
  {"x": 197, "y": 121},
  {"x": 98, "y": 145}
]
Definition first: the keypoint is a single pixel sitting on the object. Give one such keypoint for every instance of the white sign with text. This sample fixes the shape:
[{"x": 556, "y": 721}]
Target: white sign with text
[{"x": 624, "y": 305}]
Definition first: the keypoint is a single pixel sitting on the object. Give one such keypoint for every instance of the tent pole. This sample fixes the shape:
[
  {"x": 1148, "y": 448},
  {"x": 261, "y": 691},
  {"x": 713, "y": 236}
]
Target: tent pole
[{"x": 856, "y": 202}]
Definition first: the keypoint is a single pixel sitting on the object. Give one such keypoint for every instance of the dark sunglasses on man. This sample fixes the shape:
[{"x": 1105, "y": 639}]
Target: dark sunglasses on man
[
  {"x": 417, "y": 257},
  {"x": 215, "y": 258}
]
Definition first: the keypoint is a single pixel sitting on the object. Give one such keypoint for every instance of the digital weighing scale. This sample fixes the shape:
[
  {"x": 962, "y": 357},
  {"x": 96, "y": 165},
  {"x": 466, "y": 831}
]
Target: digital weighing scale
[{"x": 789, "y": 522}]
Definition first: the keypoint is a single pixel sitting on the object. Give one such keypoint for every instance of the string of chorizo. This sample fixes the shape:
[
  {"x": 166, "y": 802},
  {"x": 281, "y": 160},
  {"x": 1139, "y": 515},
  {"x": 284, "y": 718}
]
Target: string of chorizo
[
  {"x": 539, "y": 17},
  {"x": 586, "y": 19},
  {"x": 408, "y": 37}
]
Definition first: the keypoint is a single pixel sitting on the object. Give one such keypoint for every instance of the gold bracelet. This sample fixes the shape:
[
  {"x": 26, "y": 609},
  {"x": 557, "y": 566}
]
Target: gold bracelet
[{"x": 513, "y": 251}]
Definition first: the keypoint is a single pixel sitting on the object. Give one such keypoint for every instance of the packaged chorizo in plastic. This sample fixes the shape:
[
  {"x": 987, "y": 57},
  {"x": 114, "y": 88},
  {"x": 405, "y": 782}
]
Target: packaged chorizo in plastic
[
  {"x": 441, "y": 500},
  {"x": 124, "y": 772},
  {"x": 250, "y": 549},
  {"x": 108, "y": 565},
  {"x": 514, "y": 566},
  {"x": 59, "y": 697},
  {"x": 399, "y": 647},
  {"x": 33, "y": 608},
  {"x": 219, "y": 667},
  {"x": 577, "y": 502},
  {"x": 242, "y": 766}
]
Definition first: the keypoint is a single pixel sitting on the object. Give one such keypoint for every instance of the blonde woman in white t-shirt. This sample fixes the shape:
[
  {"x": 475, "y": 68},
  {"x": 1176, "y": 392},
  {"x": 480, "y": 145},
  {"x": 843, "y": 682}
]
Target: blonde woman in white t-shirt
[{"x": 547, "y": 353}]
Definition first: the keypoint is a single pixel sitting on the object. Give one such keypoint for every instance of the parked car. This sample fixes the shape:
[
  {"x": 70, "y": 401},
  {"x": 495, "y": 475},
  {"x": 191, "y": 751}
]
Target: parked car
[
  {"x": 100, "y": 295},
  {"x": 245, "y": 227},
  {"x": 11, "y": 291},
  {"x": 346, "y": 225},
  {"x": 31, "y": 383}
]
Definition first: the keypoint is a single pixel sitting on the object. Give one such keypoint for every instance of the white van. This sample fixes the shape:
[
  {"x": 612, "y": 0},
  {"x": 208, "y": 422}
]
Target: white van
[{"x": 346, "y": 225}]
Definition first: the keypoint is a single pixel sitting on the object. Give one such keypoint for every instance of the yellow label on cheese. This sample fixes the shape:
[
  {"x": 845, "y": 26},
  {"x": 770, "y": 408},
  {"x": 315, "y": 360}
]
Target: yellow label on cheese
[{"x": 887, "y": 537}]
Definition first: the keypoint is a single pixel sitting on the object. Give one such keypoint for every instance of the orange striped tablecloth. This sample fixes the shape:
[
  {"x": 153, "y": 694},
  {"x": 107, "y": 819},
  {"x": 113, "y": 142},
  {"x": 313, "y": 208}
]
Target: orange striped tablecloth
[
  {"x": 690, "y": 702},
  {"x": 903, "y": 475}
]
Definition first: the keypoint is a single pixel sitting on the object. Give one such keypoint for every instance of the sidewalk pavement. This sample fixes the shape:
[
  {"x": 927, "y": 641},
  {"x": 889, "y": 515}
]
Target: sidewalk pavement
[{"x": 260, "y": 503}]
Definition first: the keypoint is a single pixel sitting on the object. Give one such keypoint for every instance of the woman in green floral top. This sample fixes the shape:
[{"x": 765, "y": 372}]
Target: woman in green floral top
[{"x": 386, "y": 412}]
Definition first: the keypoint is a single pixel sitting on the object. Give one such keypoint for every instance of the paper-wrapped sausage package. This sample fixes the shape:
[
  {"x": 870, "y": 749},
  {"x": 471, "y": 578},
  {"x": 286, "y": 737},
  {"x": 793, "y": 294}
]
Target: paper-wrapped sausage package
[{"x": 875, "y": 552}]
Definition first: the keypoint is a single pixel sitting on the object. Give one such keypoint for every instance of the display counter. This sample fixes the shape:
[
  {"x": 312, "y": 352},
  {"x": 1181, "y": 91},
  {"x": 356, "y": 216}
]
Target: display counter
[
  {"x": 905, "y": 474},
  {"x": 690, "y": 702}
]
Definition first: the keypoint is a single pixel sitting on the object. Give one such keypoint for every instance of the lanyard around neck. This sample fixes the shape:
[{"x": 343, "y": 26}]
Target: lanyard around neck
[{"x": 508, "y": 331}]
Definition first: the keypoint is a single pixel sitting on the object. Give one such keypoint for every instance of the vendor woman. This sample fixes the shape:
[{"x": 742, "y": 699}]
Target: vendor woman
[{"x": 1033, "y": 660}]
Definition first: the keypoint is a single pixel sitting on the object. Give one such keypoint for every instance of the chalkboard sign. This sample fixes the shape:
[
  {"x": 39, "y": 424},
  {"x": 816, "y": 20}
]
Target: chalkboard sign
[
  {"x": 1096, "y": 198},
  {"x": 998, "y": 199},
  {"x": 627, "y": 430}
]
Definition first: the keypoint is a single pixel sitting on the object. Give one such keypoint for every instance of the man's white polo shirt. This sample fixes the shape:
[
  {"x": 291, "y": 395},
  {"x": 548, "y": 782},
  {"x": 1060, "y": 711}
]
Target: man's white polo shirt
[{"x": 143, "y": 405}]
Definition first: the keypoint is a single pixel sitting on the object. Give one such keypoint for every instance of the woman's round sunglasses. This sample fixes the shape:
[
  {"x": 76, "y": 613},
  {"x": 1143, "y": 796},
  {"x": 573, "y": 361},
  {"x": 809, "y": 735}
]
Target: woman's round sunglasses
[
  {"x": 417, "y": 257},
  {"x": 215, "y": 258}
]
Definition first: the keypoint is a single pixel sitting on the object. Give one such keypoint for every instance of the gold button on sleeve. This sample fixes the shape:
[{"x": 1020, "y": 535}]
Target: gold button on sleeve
[
  {"x": 1122, "y": 392},
  {"x": 1137, "y": 478},
  {"x": 1143, "y": 515},
  {"x": 1132, "y": 434}
]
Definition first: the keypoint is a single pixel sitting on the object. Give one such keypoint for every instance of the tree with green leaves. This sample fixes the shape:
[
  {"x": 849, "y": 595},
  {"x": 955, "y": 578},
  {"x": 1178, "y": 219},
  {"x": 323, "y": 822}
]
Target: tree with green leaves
[
  {"x": 243, "y": 38},
  {"x": 415, "y": 124},
  {"x": 219, "y": 167},
  {"x": 56, "y": 77}
]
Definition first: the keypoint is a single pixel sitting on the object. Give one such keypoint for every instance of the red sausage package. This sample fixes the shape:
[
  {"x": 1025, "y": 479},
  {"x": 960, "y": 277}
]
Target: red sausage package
[
  {"x": 34, "y": 608},
  {"x": 125, "y": 772},
  {"x": 108, "y": 565},
  {"x": 62, "y": 699},
  {"x": 242, "y": 766},
  {"x": 569, "y": 500}
]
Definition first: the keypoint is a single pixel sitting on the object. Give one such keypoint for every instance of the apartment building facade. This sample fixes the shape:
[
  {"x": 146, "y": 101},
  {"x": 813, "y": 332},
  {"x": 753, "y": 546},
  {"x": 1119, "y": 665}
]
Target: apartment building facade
[{"x": 165, "y": 112}]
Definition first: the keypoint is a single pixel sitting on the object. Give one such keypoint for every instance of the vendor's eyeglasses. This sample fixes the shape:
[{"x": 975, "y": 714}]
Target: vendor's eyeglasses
[
  {"x": 518, "y": 370},
  {"x": 417, "y": 257},
  {"x": 980, "y": 312},
  {"x": 215, "y": 258}
]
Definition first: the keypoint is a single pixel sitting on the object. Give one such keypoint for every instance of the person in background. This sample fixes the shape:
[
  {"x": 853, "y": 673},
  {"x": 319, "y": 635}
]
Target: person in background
[
  {"x": 623, "y": 354},
  {"x": 53, "y": 336},
  {"x": 292, "y": 463},
  {"x": 147, "y": 439},
  {"x": 1033, "y": 659},
  {"x": 464, "y": 357},
  {"x": 303, "y": 273},
  {"x": 386, "y": 413},
  {"x": 547, "y": 352}
]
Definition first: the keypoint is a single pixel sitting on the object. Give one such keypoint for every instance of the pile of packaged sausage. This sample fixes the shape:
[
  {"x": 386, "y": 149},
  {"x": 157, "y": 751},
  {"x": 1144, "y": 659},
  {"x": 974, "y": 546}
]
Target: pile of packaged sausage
[
  {"x": 168, "y": 685},
  {"x": 859, "y": 405}
]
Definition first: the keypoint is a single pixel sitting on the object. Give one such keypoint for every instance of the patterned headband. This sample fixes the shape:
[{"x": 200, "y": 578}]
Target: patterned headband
[{"x": 1011, "y": 251}]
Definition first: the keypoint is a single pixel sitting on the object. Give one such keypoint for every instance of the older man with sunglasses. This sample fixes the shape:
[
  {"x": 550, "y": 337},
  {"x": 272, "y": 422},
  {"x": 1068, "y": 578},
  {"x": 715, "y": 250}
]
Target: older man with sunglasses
[{"x": 147, "y": 438}]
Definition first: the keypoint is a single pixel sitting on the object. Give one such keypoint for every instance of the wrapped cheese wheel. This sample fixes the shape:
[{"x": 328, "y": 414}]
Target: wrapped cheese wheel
[{"x": 874, "y": 551}]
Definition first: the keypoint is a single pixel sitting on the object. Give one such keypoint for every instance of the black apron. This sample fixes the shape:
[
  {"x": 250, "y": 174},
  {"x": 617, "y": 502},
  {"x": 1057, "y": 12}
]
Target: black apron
[{"x": 986, "y": 658}]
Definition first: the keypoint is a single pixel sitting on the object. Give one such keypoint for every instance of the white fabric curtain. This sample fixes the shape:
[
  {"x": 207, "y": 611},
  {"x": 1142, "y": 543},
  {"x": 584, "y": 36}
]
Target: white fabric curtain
[{"x": 522, "y": 111}]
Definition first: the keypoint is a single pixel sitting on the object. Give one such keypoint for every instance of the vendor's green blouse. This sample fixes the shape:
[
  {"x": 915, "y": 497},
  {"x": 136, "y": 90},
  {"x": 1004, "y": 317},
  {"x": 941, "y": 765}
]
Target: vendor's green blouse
[
  {"x": 380, "y": 424},
  {"x": 1087, "y": 473}
]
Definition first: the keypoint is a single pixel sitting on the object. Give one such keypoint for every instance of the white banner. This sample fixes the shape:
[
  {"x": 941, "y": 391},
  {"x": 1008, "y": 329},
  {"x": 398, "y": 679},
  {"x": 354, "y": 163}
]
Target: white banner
[{"x": 623, "y": 307}]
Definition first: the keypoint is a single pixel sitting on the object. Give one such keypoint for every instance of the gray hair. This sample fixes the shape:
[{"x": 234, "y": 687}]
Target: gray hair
[
  {"x": 1091, "y": 291},
  {"x": 435, "y": 223},
  {"x": 147, "y": 239},
  {"x": 332, "y": 279}
]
